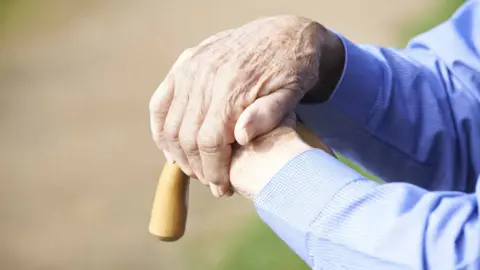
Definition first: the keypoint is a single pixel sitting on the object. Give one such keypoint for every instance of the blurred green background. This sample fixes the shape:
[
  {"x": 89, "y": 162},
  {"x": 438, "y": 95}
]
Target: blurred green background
[{"x": 78, "y": 168}]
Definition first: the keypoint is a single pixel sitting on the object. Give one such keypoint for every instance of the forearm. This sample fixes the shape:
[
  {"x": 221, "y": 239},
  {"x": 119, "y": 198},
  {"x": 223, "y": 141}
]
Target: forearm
[{"x": 333, "y": 217}]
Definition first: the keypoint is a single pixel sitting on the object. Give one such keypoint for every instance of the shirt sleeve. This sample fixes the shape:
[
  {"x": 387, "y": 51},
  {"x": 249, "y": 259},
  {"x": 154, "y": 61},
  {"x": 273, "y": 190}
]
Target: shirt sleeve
[
  {"x": 410, "y": 114},
  {"x": 333, "y": 218}
]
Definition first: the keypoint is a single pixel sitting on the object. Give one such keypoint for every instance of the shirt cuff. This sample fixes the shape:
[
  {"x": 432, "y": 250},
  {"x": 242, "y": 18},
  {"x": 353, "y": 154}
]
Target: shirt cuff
[
  {"x": 299, "y": 192},
  {"x": 353, "y": 100}
]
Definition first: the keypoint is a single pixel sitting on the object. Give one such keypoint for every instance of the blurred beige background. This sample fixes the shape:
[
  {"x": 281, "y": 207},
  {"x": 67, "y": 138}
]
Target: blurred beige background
[{"x": 77, "y": 167}]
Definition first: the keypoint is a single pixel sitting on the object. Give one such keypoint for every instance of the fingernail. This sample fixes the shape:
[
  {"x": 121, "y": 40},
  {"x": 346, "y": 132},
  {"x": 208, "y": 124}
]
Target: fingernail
[
  {"x": 215, "y": 190},
  {"x": 187, "y": 170},
  {"x": 168, "y": 157},
  {"x": 245, "y": 135}
]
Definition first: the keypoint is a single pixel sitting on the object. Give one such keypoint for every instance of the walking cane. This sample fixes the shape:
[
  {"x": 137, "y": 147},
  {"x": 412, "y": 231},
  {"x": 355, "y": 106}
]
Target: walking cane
[{"x": 170, "y": 206}]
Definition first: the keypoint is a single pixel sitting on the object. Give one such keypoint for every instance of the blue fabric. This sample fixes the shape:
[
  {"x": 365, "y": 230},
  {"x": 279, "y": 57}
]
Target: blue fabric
[{"x": 412, "y": 117}]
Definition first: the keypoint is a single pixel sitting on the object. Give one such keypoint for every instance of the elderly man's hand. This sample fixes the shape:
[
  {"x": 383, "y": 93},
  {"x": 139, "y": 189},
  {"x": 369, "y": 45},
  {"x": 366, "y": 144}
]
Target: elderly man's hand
[{"x": 233, "y": 87}]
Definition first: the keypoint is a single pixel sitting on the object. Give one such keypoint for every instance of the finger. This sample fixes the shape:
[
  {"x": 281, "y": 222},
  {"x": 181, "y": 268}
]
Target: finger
[
  {"x": 290, "y": 120},
  {"x": 214, "y": 139},
  {"x": 159, "y": 105},
  {"x": 192, "y": 121},
  {"x": 174, "y": 119},
  {"x": 168, "y": 157},
  {"x": 264, "y": 114},
  {"x": 215, "y": 190},
  {"x": 221, "y": 191}
]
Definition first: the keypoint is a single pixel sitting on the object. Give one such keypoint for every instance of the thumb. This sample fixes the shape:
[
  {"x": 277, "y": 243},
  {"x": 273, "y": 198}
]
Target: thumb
[{"x": 264, "y": 115}]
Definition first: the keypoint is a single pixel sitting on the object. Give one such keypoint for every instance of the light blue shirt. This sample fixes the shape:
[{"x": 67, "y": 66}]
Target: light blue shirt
[{"x": 412, "y": 117}]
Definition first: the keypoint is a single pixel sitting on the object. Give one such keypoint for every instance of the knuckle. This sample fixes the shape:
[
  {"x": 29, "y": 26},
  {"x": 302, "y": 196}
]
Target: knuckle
[
  {"x": 209, "y": 148},
  {"x": 208, "y": 144},
  {"x": 171, "y": 134},
  {"x": 159, "y": 139},
  {"x": 157, "y": 136},
  {"x": 187, "y": 54},
  {"x": 154, "y": 107},
  {"x": 189, "y": 145},
  {"x": 184, "y": 58}
]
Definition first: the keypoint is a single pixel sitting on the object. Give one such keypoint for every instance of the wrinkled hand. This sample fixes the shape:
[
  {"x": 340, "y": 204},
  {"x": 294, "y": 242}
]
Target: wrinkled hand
[{"x": 233, "y": 87}]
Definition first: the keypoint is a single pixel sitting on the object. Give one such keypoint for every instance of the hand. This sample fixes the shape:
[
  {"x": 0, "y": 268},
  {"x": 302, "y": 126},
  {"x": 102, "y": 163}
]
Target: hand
[{"x": 234, "y": 86}]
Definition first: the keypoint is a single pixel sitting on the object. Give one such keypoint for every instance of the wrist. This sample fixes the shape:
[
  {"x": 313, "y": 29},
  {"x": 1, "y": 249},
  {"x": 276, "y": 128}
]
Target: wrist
[
  {"x": 332, "y": 62},
  {"x": 255, "y": 165}
]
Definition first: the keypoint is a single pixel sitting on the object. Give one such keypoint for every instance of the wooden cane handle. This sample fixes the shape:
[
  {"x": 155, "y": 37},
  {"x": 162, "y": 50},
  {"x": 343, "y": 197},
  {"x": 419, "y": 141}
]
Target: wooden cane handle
[{"x": 170, "y": 206}]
